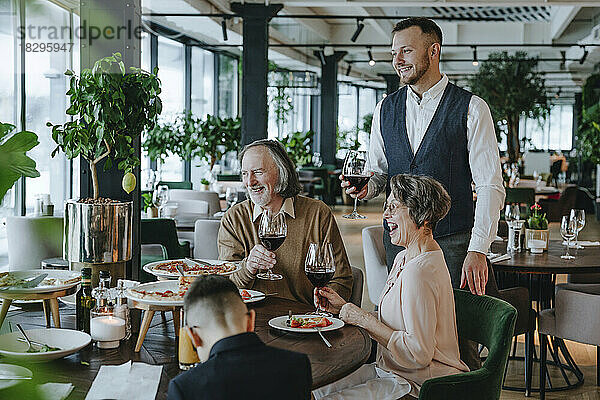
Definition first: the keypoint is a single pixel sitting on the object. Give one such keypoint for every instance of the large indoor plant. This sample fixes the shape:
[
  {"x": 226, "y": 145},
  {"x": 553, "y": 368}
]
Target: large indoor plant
[
  {"x": 216, "y": 136},
  {"x": 110, "y": 108},
  {"x": 14, "y": 162},
  {"x": 298, "y": 145},
  {"x": 512, "y": 86}
]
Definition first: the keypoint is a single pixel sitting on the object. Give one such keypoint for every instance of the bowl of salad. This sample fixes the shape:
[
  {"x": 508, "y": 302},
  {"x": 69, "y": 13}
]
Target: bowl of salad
[{"x": 48, "y": 344}]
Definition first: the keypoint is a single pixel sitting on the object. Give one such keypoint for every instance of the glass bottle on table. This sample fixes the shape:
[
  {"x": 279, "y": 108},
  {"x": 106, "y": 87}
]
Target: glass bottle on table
[
  {"x": 272, "y": 232},
  {"x": 187, "y": 354},
  {"x": 84, "y": 301},
  {"x": 121, "y": 309}
]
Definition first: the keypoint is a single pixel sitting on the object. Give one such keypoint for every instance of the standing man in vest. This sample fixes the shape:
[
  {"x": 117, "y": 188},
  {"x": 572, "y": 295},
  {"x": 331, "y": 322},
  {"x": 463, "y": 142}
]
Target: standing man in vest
[{"x": 432, "y": 127}]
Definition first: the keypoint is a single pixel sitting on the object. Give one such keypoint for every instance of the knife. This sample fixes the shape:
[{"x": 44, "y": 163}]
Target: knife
[{"x": 33, "y": 282}]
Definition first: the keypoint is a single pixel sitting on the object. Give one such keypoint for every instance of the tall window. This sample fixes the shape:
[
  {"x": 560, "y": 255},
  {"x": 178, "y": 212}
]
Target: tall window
[
  {"x": 203, "y": 77},
  {"x": 556, "y": 133},
  {"x": 228, "y": 86},
  {"x": 45, "y": 87},
  {"x": 171, "y": 72}
]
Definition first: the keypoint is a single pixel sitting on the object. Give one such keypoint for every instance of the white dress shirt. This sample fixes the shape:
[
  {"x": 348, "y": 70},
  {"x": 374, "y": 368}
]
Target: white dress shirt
[{"x": 484, "y": 159}]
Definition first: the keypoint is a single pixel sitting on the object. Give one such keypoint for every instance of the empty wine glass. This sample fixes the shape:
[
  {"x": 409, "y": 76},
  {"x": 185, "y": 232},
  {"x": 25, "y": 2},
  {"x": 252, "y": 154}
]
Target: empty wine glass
[
  {"x": 568, "y": 230},
  {"x": 512, "y": 215},
  {"x": 356, "y": 171},
  {"x": 160, "y": 198},
  {"x": 579, "y": 217},
  {"x": 231, "y": 197},
  {"x": 319, "y": 267},
  {"x": 272, "y": 232}
]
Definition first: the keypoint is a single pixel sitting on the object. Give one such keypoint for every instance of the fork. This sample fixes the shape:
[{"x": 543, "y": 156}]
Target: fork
[{"x": 318, "y": 329}]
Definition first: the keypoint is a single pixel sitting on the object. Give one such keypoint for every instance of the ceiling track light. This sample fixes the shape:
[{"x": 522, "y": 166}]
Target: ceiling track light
[
  {"x": 359, "y": 27},
  {"x": 371, "y": 60},
  {"x": 584, "y": 56},
  {"x": 475, "y": 60},
  {"x": 224, "y": 29}
]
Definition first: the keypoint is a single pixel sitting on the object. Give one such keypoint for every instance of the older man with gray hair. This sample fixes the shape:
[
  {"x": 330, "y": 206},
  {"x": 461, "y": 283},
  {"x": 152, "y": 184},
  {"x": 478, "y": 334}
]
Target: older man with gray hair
[{"x": 272, "y": 182}]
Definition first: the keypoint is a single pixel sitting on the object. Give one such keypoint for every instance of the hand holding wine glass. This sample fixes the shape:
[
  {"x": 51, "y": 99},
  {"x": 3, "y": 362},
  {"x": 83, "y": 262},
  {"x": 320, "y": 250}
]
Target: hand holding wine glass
[
  {"x": 356, "y": 172},
  {"x": 320, "y": 267},
  {"x": 272, "y": 232}
]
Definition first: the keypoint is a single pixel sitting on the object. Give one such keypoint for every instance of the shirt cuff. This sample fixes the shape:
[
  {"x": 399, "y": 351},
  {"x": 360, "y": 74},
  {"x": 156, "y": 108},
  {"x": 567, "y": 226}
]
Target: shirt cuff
[{"x": 479, "y": 245}]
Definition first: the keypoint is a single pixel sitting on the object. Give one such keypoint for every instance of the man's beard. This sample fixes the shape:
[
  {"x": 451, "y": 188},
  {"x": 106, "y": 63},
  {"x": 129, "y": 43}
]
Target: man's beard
[
  {"x": 260, "y": 199},
  {"x": 419, "y": 72}
]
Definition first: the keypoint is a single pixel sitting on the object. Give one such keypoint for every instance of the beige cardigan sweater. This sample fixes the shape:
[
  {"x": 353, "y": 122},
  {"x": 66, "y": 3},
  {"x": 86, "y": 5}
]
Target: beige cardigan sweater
[{"x": 313, "y": 222}]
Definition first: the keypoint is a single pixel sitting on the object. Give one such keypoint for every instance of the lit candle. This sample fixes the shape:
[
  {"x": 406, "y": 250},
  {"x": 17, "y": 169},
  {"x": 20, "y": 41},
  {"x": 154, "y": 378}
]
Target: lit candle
[{"x": 107, "y": 331}]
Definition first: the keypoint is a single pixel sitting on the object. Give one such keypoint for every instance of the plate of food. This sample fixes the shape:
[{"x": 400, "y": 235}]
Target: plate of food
[
  {"x": 306, "y": 323},
  {"x": 21, "y": 374},
  {"x": 251, "y": 296},
  {"x": 48, "y": 344},
  {"x": 168, "y": 269},
  {"x": 162, "y": 293},
  {"x": 55, "y": 280}
]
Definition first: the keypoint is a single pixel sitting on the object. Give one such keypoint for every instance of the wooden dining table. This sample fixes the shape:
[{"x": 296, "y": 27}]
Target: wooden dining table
[
  {"x": 540, "y": 271},
  {"x": 351, "y": 346}
]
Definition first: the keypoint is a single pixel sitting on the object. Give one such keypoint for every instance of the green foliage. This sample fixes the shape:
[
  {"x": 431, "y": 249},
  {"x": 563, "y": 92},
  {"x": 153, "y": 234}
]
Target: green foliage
[
  {"x": 147, "y": 199},
  {"x": 110, "y": 108},
  {"x": 512, "y": 86},
  {"x": 588, "y": 131},
  {"x": 177, "y": 137},
  {"x": 349, "y": 139},
  {"x": 14, "y": 163},
  {"x": 298, "y": 146},
  {"x": 278, "y": 94},
  {"x": 537, "y": 220},
  {"x": 216, "y": 136},
  {"x": 367, "y": 121},
  {"x": 204, "y": 181}
]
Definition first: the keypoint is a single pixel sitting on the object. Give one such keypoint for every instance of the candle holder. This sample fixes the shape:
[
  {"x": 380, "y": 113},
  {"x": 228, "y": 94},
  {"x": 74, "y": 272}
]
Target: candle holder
[{"x": 106, "y": 329}]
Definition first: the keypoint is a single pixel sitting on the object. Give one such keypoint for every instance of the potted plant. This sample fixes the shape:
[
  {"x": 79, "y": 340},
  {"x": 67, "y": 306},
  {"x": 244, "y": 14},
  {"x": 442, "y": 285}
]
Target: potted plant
[
  {"x": 110, "y": 109},
  {"x": 148, "y": 205},
  {"x": 205, "y": 184},
  {"x": 14, "y": 163},
  {"x": 215, "y": 137},
  {"x": 536, "y": 229},
  {"x": 512, "y": 85}
]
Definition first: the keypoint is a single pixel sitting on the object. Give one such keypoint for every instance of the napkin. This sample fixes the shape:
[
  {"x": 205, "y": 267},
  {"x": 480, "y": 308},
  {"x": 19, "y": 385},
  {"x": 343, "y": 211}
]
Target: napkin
[
  {"x": 500, "y": 258},
  {"x": 54, "y": 391},
  {"x": 129, "y": 381},
  {"x": 583, "y": 243}
]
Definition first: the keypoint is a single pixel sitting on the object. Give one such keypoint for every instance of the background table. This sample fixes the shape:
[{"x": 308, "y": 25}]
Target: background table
[{"x": 351, "y": 347}]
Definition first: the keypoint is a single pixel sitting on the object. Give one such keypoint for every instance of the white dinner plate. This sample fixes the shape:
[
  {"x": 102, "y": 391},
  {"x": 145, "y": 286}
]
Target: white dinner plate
[
  {"x": 13, "y": 370},
  {"x": 174, "y": 275},
  {"x": 60, "y": 277},
  {"x": 280, "y": 323},
  {"x": 256, "y": 295},
  {"x": 68, "y": 340},
  {"x": 159, "y": 286}
]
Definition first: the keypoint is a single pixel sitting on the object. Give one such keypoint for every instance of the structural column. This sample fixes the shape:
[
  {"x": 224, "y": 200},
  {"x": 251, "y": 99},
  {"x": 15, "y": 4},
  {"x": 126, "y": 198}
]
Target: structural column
[
  {"x": 107, "y": 27},
  {"x": 326, "y": 137},
  {"x": 392, "y": 82},
  {"x": 255, "y": 67}
]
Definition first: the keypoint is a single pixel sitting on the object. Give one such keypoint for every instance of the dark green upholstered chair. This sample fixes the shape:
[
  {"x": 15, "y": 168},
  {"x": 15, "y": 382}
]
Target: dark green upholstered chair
[
  {"x": 520, "y": 195},
  {"x": 161, "y": 231},
  {"x": 488, "y": 321},
  {"x": 177, "y": 185}
]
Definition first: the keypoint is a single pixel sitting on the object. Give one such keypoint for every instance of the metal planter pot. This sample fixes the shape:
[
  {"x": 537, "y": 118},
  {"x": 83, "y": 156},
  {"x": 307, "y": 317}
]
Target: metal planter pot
[{"x": 98, "y": 236}]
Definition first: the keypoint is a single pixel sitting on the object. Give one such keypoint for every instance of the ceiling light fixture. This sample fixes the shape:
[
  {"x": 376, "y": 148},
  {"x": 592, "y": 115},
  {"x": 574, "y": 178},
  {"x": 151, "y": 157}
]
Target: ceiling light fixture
[
  {"x": 371, "y": 60},
  {"x": 475, "y": 61},
  {"x": 224, "y": 29},
  {"x": 584, "y": 56},
  {"x": 359, "y": 27},
  {"x": 348, "y": 69}
]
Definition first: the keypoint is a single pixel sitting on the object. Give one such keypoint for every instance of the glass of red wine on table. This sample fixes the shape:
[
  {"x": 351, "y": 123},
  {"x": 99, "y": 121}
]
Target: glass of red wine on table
[
  {"x": 272, "y": 231},
  {"x": 320, "y": 268},
  {"x": 356, "y": 172}
]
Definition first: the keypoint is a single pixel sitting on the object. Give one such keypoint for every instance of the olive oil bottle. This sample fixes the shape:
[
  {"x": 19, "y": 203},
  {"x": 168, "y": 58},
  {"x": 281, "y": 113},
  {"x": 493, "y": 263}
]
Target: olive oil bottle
[{"x": 84, "y": 301}]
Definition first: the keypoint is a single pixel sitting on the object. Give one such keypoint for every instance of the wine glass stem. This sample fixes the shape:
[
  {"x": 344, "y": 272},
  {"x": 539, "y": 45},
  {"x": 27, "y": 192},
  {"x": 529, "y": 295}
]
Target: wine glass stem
[
  {"x": 355, "y": 201},
  {"x": 568, "y": 246}
]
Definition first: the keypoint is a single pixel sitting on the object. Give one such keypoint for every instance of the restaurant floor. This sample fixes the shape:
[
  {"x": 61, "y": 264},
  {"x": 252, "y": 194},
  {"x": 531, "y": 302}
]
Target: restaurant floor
[{"x": 584, "y": 355}]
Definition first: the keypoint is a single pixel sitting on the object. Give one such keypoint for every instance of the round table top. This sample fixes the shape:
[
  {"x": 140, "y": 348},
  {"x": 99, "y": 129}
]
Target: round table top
[
  {"x": 586, "y": 260},
  {"x": 350, "y": 349}
]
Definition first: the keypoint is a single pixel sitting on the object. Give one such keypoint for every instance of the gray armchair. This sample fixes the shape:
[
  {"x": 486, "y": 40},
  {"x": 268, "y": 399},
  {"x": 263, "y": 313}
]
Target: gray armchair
[{"x": 574, "y": 317}]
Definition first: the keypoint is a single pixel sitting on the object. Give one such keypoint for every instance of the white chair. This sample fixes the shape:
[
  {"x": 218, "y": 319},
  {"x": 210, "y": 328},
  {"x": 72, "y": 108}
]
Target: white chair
[
  {"x": 375, "y": 265},
  {"x": 184, "y": 194},
  {"x": 33, "y": 239},
  {"x": 205, "y": 239},
  {"x": 190, "y": 207},
  {"x": 214, "y": 204}
]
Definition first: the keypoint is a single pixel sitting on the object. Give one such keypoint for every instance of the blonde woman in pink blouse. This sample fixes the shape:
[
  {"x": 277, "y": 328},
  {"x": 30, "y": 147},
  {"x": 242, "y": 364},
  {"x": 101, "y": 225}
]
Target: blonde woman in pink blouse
[{"x": 415, "y": 326}]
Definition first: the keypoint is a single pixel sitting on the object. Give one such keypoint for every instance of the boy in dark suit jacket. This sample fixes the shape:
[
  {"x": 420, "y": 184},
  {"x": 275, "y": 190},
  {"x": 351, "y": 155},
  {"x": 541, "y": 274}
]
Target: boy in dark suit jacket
[{"x": 236, "y": 364}]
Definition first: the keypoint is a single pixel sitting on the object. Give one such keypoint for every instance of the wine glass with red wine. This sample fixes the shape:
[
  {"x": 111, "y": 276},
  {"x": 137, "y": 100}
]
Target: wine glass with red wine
[
  {"x": 271, "y": 232},
  {"x": 320, "y": 268},
  {"x": 356, "y": 171}
]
